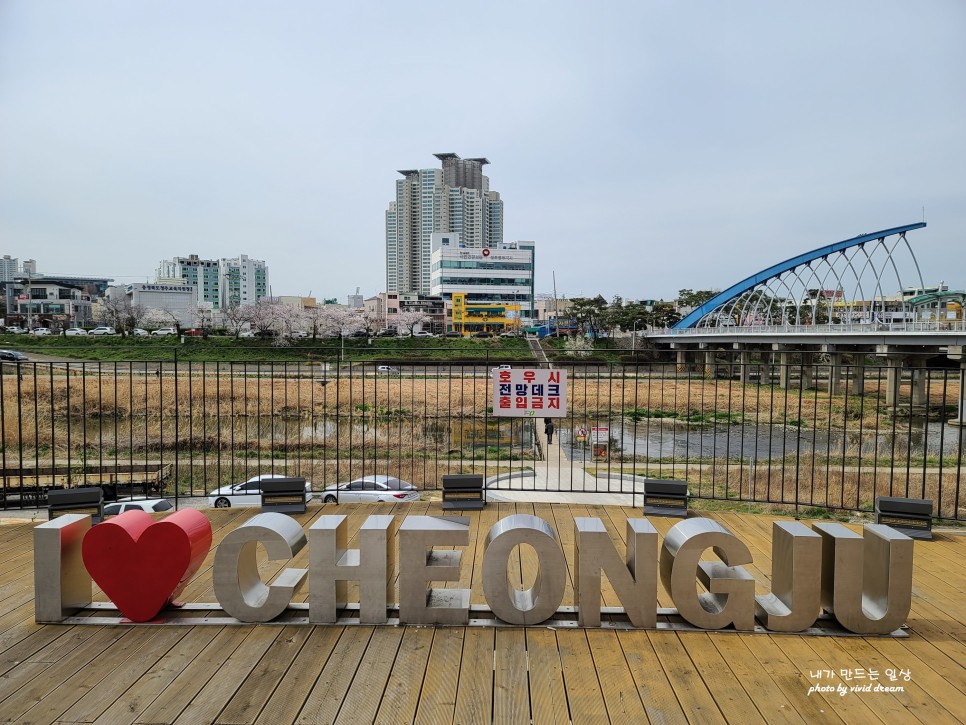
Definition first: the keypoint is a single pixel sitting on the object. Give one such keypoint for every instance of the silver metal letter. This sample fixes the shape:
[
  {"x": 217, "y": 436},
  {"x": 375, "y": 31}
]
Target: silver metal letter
[
  {"x": 332, "y": 563},
  {"x": 419, "y": 564},
  {"x": 730, "y": 598},
  {"x": 866, "y": 584},
  {"x": 238, "y": 587},
  {"x": 62, "y": 585},
  {"x": 540, "y": 602},
  {"x": 796, "y": 581},
  {"x": 634, "y": 582}
]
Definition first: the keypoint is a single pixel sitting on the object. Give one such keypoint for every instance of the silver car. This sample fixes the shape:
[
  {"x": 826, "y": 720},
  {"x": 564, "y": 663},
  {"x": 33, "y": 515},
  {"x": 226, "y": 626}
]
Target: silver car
[{"x": 369, "y": 489}]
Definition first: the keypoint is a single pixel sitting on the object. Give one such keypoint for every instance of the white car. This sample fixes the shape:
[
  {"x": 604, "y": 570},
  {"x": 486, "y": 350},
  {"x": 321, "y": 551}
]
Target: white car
[
  {"x": 248, "y": 493},
  {"x": 15, "y": 330},
  {"x": 423, "y": 333},
  {"x": 75, "y": 331},
  {"x": 103, "y": 330},
  {"x": 138, "y": 332},
  {"x": 369, "y": 489},
  {"x": 165, "y": 331},
  {"x": 246, "y": 333},
  {"x": 387, "y": 370},
  {"x": 151, "y": 505},
  {"x": 40, "y": 332}
]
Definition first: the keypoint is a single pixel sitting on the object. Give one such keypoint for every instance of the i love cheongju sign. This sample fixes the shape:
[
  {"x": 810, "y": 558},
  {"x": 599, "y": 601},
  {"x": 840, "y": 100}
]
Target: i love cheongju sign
[{"x": 143, "y": 565}]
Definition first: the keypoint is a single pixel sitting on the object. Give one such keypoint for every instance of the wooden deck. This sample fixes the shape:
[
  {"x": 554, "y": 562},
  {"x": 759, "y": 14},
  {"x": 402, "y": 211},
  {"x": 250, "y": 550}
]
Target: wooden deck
[{"x": 362, "y": 674}]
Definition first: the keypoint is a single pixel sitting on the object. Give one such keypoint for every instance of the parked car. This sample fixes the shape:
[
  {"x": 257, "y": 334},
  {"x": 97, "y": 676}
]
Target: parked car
[
  {"x": 40, "y": 331},
  {"x": 15, "y": 330},
  {"x": 248, "y": 493},
  {"x": 13, "y": 355},
  {"x": 454, "y": 333},
  {"x": 423, "y": 333},
  {"x": 151, "y": 505},
  {"x": 75, "y": 331},
  {"x": 103, "y": 330},
  {"x": 387, "y": 370},
  {"x": 388, "y": 332},
  {"x": 483, "y": 333},
  {"x": 165, "y": 331},
  {"x": 246, "y": 333},
  {"x": 498, "y": 368},
  {"x": 370, "y": 489},
  {"x": 138, "y": 332}
]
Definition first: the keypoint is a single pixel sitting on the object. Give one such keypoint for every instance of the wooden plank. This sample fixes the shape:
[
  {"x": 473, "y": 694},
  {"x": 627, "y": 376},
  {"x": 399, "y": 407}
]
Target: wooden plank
[
  {"x": 721, "y": 681},
  {"x": 621, "y": 697},
  {"x": 437, "y": 700},
  {"x": 653, "y": 688},
  {"x": 401, "y": 697},
  {"x": 371, "y": 675},
  {"x": 258, "y": 687},
  {"x": 291, "y": 693},
  {"x": 511, "y": 695},
  {"x": 474, "y": 696},
  {"x": 128, "y": 706},
  {"x": 583, "y": 689},
  {"x": 222, "y": 686},
  {"x": 548, "y": 692},
  {"x": 125, "y": 672},
  {"x": 326, "y": 697},
  {"x": 691, "y": 691},
  {"x": 179, "y": 693}
]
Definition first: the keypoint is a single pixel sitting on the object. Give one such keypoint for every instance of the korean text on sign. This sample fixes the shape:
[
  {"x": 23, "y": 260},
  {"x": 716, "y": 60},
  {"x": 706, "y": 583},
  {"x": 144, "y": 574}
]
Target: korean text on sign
[{"x": 526, "y": 393}]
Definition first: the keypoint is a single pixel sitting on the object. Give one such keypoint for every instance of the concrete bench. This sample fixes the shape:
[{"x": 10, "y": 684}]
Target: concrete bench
[
  {"x": 283, "y": 495},
  {"x": 665, "y": 498},
  {"x": 89, "y": 500},
  {"x": 463, "y": 491},
  {"x": 911, "y": 516}
]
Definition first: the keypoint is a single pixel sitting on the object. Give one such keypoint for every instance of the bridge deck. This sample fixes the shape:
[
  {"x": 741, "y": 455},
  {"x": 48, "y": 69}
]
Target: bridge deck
[{"x": 356, "y": 674}]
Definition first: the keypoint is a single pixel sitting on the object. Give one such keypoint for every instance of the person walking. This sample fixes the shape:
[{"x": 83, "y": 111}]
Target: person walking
[{"x": 548, "y": 429}]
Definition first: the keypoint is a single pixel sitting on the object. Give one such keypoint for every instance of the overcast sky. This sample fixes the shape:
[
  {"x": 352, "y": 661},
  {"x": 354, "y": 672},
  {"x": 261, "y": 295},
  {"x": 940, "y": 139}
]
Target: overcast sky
[{"x": 645, "y": 146}]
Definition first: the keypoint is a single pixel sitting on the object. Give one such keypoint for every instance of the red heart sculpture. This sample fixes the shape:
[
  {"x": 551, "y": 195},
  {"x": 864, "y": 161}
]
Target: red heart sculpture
[{"x": 141, "y": 564}]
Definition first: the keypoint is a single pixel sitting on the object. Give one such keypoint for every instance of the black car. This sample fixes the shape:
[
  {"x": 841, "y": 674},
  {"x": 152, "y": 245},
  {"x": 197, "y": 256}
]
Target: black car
[
  {"x": 453, "y": 333},
  {"x": 483, "y": 333},
  {"x": 388, "y": 332},
  {"x": 13, "y": 355}
]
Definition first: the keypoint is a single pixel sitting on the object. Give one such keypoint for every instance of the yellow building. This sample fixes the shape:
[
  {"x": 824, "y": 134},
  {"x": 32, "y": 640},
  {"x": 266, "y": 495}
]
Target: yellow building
[{"x": 469, "y": 318}]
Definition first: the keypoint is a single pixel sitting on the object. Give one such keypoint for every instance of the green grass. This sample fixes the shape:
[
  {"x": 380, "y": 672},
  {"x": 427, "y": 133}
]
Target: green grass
[{"x": 230, "y": 349}]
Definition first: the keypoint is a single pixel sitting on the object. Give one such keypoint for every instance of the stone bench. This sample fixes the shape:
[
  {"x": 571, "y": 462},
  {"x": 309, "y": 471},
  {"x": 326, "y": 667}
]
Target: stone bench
[
  {"x": 463, "y": 491},
  {"x": 88, "y": 500},
  {"x": 665, "y": 498},
  {"x": 283, "y": 495},
  {"x": 911, "y": 516}
]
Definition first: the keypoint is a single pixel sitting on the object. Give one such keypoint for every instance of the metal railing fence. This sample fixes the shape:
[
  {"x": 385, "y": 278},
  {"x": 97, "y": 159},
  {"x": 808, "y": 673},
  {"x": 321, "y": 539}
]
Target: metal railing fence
[{"x": 800, "y": 436}]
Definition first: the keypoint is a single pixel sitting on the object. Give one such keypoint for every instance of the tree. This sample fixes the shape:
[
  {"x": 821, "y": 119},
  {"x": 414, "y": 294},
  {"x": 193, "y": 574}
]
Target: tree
[
  {"x": 589, "y": 312},
  {"x": 163, "y": 317},
  {"x": 691, "y": 299},
  {"x": 236, "y": 317},
  {"x": 411, "y": 320},
  {"x": 119, "y": 313}
]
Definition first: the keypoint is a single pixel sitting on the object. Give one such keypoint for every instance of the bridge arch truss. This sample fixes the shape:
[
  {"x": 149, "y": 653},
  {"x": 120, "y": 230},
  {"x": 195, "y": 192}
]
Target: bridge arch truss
[{"x": 854, "y": 280}]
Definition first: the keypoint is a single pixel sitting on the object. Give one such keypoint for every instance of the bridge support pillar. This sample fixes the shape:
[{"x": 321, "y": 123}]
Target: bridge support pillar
[
  {"x": 834, "y": 372},
  {"x": 808, "y": 371},
  {"x": 682, "y": 361},
  {"x": 893, "y": 379},
  {"x": 744, "y": 366},
  {"x": 784, "y": 369},
  {"x": 920, "y": 375},
  {"x": 766, "y": 358},
  {"x": 857, "y": 384}
]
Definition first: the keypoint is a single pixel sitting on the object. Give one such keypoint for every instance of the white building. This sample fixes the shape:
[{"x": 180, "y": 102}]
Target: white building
[
  {"x": 178, "y": 300},
  {"x": 219, "y": 283},
  {"x": 498, "y": 274},
  {"x": 454, "y": 198}
]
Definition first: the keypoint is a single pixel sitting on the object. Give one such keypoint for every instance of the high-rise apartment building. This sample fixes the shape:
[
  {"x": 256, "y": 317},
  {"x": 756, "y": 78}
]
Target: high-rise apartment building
[
  {"x": 219, "y": 283},
  {"x": 454, "y": 198}
]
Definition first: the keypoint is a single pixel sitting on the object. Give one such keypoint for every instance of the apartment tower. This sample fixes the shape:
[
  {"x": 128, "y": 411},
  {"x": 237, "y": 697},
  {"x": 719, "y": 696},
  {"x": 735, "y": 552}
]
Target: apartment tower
[{"x": 453, "y": 198}]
